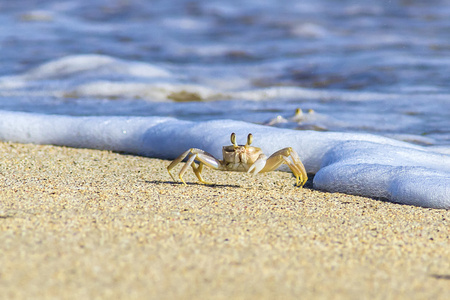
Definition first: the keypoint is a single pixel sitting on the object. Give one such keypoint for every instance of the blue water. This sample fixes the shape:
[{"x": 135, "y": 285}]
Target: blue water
[{"x": 381, "y": 67}]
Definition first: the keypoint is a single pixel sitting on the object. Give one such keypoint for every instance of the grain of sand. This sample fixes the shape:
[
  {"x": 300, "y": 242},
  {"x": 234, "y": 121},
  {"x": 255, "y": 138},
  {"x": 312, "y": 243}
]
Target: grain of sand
[{"x": 89, "y": 224}]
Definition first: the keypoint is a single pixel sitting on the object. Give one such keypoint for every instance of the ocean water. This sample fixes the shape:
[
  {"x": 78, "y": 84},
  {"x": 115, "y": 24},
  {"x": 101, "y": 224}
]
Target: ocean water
[{"x": 360, "y": 71}]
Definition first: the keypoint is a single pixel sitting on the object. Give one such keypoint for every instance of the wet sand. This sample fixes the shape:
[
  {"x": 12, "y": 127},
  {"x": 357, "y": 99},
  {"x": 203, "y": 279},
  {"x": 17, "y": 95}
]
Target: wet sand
[{"x": 78, "y": 223}]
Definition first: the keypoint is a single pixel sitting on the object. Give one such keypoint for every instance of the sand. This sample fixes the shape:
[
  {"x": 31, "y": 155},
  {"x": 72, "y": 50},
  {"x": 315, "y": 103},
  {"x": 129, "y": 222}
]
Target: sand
[{"x": 89, "y": 224}]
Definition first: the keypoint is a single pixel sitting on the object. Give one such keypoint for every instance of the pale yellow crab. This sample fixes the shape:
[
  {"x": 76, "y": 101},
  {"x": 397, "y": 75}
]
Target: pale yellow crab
[{"x": 241, "y": 158}]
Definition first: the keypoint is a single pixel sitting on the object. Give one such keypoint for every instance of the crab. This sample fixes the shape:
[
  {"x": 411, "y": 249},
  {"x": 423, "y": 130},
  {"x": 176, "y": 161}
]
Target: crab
[{"x": 241, "y": 158}]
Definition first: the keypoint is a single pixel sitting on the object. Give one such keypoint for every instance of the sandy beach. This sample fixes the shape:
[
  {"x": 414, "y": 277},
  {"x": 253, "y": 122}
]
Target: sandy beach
[{"x": 90, "y": 224}]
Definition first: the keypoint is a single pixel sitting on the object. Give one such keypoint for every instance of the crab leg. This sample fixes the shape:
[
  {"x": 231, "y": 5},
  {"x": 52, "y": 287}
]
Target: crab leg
[
  {"x": 203, "y": 157},
  {"x": 263, "y": 164}
]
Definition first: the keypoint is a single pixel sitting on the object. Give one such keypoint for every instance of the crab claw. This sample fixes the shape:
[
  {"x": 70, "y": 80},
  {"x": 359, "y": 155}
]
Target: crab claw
[{"x": 259, "y": 164}]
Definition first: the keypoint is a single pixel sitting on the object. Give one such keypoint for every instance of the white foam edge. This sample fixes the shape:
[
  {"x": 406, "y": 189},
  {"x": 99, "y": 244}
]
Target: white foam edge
[
  {"x": 74, "y": 64},
  {"x": 159, "y": 91}
]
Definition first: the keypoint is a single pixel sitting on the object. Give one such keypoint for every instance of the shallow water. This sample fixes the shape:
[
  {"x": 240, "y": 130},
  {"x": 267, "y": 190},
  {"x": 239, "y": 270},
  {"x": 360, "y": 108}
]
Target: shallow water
[{"x": 379, "y": 67}]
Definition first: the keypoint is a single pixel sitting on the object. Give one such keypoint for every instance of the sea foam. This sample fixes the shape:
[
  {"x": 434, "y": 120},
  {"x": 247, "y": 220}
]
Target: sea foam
[{"x": 359, "y": 164}]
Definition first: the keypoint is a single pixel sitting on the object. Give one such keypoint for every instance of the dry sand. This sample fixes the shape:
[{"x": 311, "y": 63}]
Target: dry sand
[{"x": 88, "y": 224}]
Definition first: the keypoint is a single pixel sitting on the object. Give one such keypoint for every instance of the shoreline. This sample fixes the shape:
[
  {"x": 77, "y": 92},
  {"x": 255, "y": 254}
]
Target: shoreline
[{"x": 88, "y": 223}]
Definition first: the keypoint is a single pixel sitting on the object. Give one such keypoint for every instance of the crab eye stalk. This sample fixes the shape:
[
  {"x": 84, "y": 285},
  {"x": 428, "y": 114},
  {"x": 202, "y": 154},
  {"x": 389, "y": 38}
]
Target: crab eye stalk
[
  {"x": 249, "y": 139},
  {"x": 298, "y": 112},
  {"x": 233, "y": 139}
]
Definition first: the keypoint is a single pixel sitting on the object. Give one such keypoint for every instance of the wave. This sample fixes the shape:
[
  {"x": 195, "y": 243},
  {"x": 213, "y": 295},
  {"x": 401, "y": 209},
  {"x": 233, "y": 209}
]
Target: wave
[
  {"x": 102, "y": 76},
  {"x": 82, "y": 84}
]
